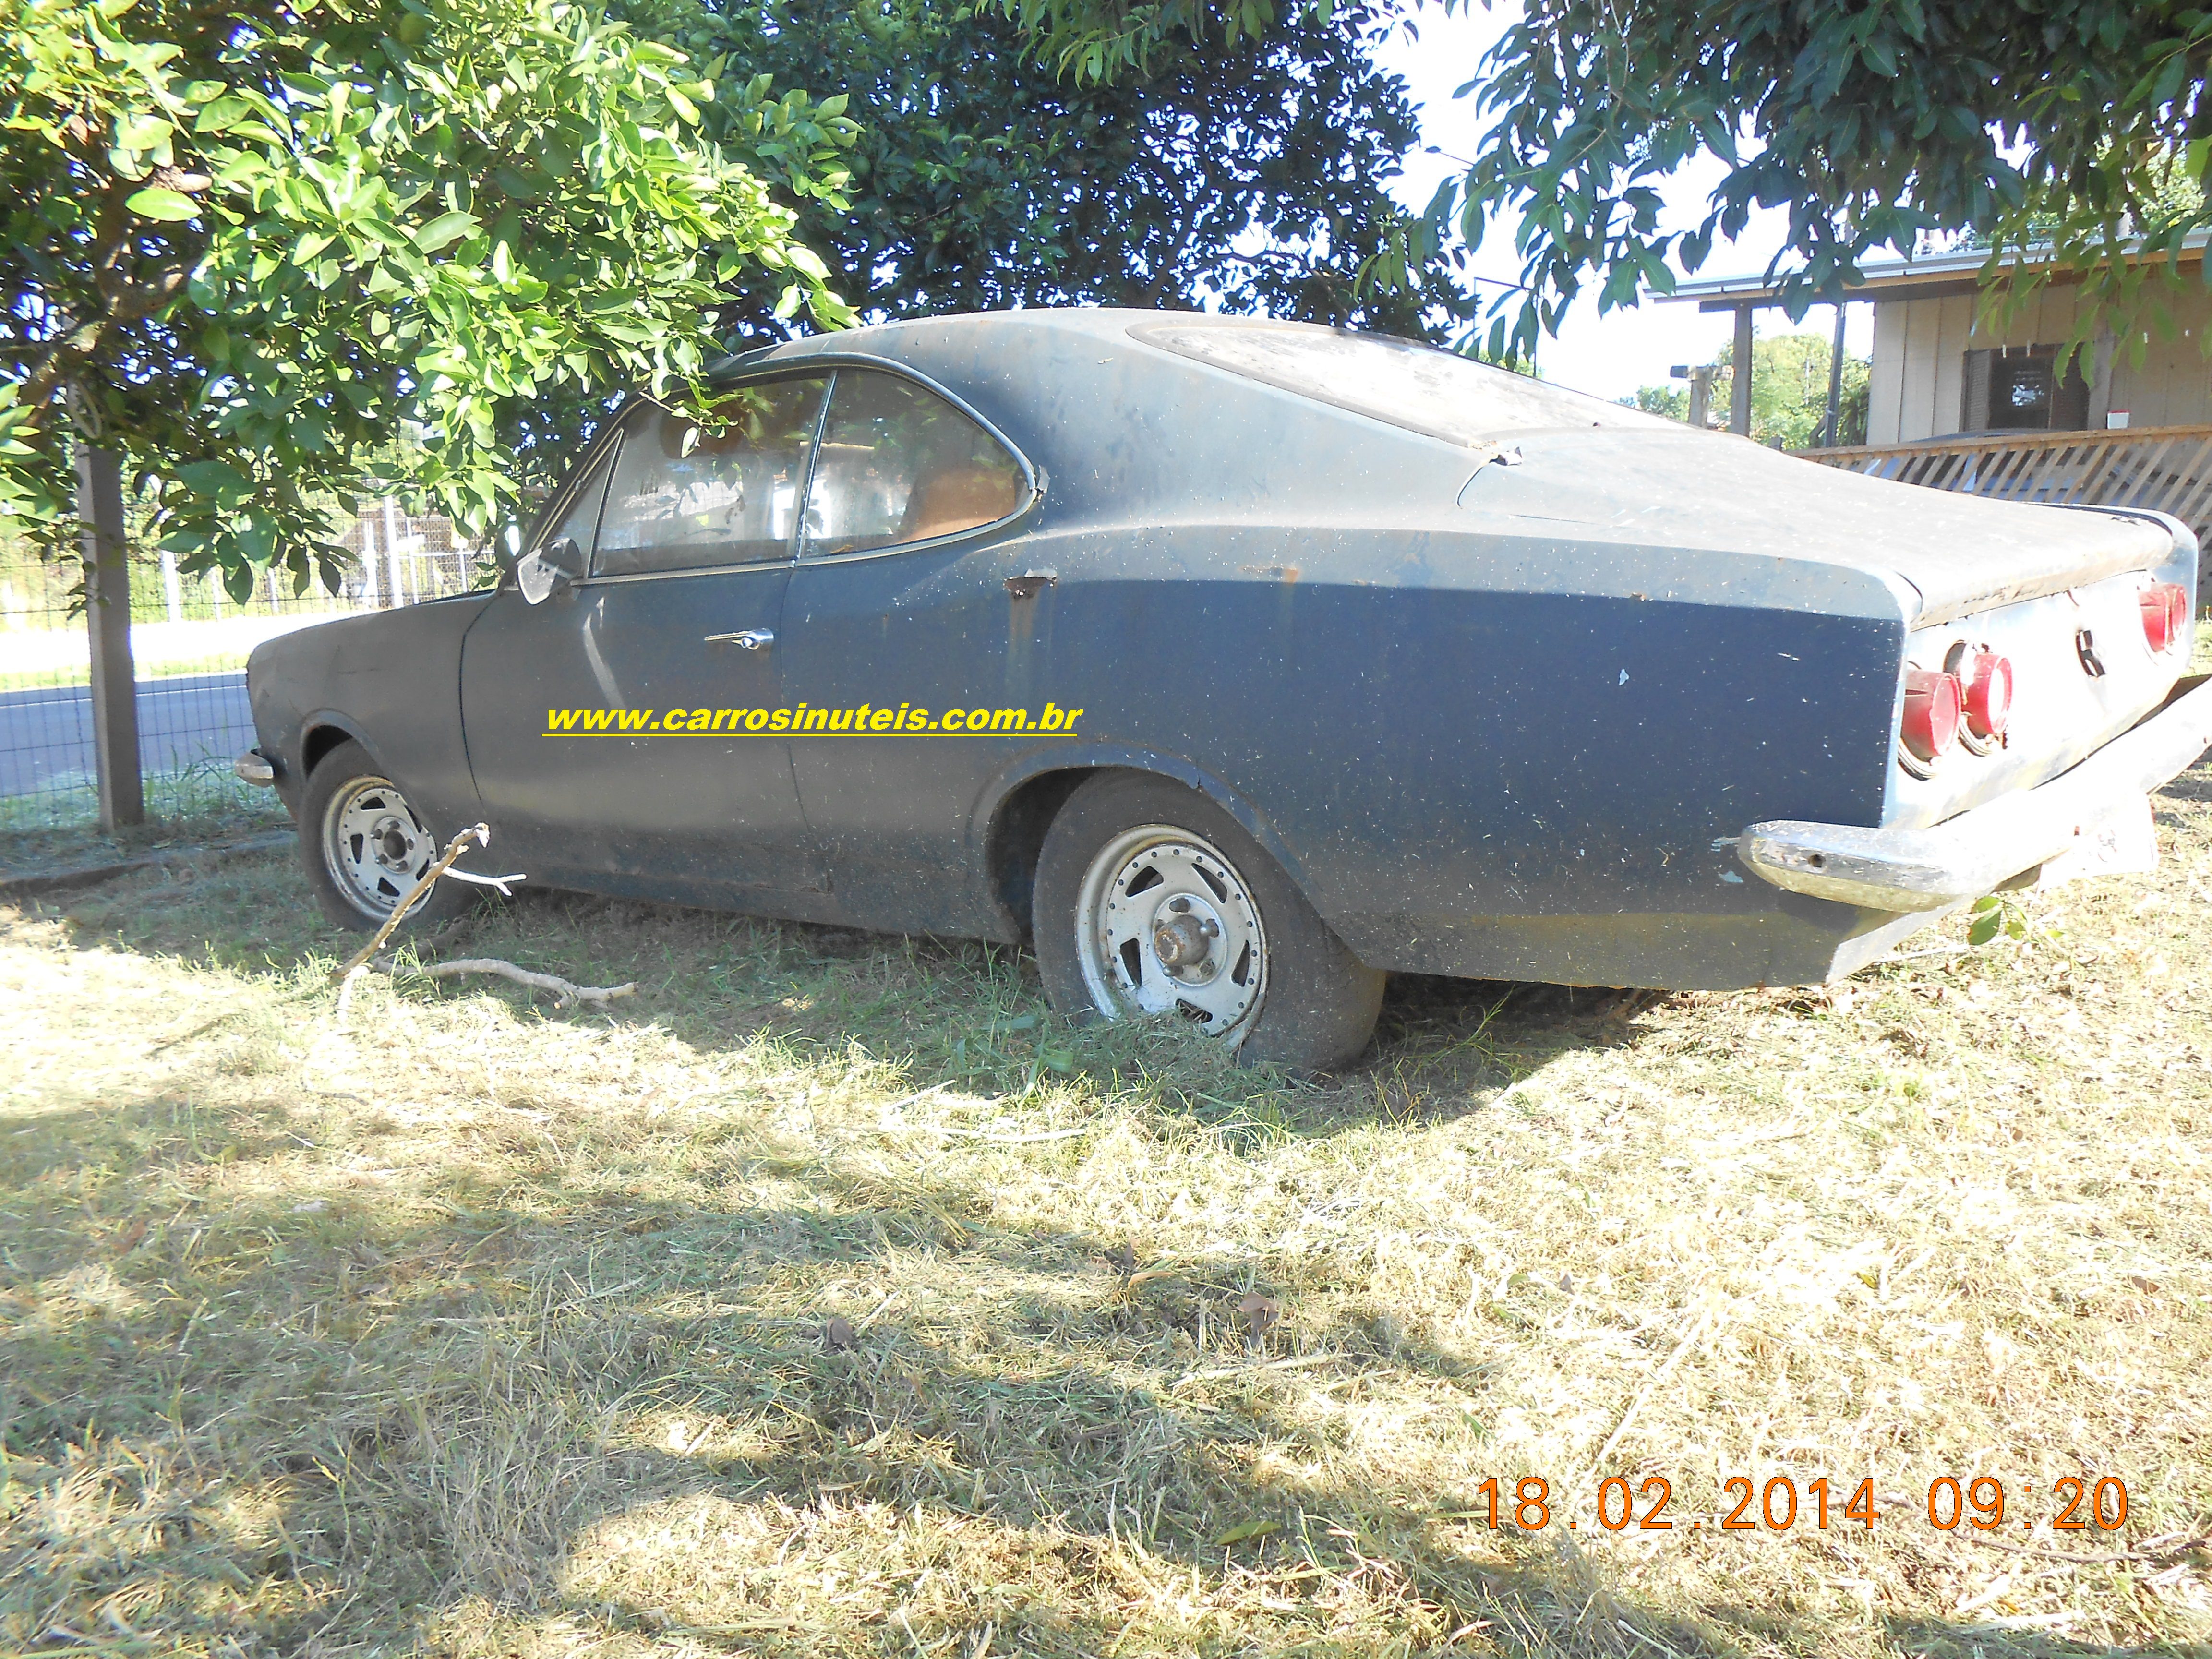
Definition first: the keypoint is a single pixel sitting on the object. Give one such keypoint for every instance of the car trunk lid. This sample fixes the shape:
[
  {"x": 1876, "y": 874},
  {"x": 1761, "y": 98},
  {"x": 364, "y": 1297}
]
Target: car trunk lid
[{"x": 1960, "y": 554}]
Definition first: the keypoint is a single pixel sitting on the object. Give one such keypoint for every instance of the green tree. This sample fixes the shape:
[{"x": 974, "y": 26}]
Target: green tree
[
  {"x": 1672, "y": 401},
  {"x": 1877, "y": 123},
  {"x": 270, "y": 256},
  {"x": 1789, "y": 393},
  {"x": 1253, "y": 178}
]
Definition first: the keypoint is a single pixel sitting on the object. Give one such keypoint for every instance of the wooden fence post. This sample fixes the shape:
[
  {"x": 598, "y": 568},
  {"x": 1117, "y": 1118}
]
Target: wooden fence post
[
  {"x": 1740, "y": 385},
  {"x": 107, "y": 619}
]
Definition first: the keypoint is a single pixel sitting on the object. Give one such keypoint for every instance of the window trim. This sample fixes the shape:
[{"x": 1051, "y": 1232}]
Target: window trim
[{"x": 1033, "y": 481}]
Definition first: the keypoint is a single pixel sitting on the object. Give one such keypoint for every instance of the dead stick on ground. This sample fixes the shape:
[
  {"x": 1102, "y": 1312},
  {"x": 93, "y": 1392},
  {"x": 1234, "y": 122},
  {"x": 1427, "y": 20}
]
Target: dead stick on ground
[
  {"x": 482, "y": 832},
  {"x": 1637, "y": 1405},
  {"x": 566, "y": 991},
  {"x": 2152, "y": 1552}
]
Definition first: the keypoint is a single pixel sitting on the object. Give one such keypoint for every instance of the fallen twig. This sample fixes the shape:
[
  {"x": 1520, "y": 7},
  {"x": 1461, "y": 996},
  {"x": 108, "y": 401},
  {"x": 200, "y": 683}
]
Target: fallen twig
[
  {"x": 2151, "y": 1550},
  {"x": 1296, "y": 1362},
  {"x": 482, "y": 833},
  {"x": 1665, "y": 1370},
  {"x": 992, "y": 1139},
  {"x": 353, "y": 977},
  {"x": 566, "y": 991}
]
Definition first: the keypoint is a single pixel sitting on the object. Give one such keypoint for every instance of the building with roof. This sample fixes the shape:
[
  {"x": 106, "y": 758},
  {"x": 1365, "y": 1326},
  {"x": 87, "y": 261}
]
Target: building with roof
[
  {"x": 1936, "y": 372},
  {"x": 1957, "y": 404}
]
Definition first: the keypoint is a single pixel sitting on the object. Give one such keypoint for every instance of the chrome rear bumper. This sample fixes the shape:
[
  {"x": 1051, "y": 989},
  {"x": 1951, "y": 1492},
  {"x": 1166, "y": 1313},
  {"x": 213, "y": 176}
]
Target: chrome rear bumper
[{"x": 1979, "y": 850}]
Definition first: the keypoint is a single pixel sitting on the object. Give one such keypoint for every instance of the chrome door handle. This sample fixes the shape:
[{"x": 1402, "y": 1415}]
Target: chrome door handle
[{"x": 752, "y": 639}]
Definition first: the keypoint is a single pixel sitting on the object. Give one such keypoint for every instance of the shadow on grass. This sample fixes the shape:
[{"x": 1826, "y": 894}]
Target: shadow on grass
[
  {"x": 797, "y": 1398},
  {"x": 553, "y": 1413},
  {"x": 961, "y": 1013}
]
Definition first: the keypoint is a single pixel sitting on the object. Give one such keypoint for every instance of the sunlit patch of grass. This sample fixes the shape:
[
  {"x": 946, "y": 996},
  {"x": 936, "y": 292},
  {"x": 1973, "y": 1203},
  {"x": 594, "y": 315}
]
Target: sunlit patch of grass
[{"x": 832, "y": 1296}]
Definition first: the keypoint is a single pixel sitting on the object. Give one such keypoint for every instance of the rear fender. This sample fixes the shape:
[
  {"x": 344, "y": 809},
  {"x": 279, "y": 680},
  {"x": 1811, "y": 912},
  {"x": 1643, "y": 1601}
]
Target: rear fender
[{"x": 984, "y": 821}]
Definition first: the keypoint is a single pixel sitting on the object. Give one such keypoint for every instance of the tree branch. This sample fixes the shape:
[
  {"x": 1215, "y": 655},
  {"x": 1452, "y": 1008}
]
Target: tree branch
[{"x": 127, "y": 299}]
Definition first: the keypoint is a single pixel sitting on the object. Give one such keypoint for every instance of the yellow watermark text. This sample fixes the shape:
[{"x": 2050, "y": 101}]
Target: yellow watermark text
[{"x": 866, "y": 719}]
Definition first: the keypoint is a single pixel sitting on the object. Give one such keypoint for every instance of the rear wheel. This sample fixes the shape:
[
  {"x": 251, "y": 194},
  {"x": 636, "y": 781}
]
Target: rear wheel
[
  {"x": 366, "y": 845},
  {"x": 1150, "y": 899}
]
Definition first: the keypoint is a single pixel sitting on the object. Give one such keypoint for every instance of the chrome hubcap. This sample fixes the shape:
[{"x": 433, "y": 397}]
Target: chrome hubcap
[
  {"x": 374, "y": 845},
  {"x": 1165, "y": 924}
]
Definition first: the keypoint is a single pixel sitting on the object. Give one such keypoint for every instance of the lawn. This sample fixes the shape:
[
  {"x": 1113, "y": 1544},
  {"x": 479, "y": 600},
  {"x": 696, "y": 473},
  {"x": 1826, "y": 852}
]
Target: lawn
[{"x": 828, "y": 1297}]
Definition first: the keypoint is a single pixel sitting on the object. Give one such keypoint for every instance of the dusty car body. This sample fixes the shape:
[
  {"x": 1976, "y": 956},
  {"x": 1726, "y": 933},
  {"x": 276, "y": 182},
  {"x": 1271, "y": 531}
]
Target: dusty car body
[{"x": 1507, "y": 683}]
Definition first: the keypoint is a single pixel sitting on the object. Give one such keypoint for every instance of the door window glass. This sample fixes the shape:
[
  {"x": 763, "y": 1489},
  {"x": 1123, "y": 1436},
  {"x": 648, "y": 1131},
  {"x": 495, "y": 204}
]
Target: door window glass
[
  {"x": 683, "y": 497},
  {"x": 898, "y": 464}
]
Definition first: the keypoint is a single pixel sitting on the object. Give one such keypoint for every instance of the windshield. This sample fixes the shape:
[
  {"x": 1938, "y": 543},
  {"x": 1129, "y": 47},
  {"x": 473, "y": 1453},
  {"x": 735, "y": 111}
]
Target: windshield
[{"x": 1417, "y": 386}]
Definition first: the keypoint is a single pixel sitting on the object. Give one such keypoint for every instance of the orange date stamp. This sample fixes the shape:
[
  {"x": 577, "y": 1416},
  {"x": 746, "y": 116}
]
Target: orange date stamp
[{"x": 1781, "y": 1505}]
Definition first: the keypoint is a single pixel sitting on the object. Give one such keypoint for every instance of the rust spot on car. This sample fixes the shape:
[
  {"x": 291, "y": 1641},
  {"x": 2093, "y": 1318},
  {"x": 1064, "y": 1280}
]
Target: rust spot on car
[{"x": 1281, "y": 572}]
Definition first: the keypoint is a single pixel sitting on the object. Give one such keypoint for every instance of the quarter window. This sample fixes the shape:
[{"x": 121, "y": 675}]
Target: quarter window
[
  {"x": 685, "y": 497},
  {"x": 899, "y": 464},
  {"x": 580, "y": 523}
]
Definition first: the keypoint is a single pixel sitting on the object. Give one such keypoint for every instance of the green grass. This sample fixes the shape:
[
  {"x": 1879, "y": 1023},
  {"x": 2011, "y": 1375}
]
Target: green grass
[
  {"x": 830, "y": 1297},
  {"x": 205, "y": 801}
]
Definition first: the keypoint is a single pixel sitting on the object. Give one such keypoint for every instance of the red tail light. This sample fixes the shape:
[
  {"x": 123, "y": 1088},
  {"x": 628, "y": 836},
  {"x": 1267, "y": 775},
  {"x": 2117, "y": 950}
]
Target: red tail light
[
  {"x": 2164, "y": 614},
  {"x": 1987, "y": 680},
  {"x": 1933, "y": 704}
]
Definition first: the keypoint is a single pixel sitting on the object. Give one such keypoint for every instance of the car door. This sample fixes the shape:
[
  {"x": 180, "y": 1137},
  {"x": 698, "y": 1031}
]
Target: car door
[
  {"x": 607, "y": 727},
  {"x": 899, "y": 611}
]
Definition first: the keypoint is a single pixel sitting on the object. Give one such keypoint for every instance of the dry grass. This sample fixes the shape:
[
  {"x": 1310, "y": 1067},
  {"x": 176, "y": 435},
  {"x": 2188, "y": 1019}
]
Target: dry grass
[{"x": 830, "y": 1298}]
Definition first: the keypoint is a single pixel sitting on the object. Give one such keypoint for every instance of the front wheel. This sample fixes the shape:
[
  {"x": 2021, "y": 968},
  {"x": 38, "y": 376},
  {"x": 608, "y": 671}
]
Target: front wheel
[
  {"x": 365, "y": 846},
  {"x": 1150, "y": 899}
]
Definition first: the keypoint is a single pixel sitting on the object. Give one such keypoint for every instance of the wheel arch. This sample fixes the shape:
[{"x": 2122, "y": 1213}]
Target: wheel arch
[
  {"x": 324, "y": 731},
  {"x": 1023, "y": 802}
]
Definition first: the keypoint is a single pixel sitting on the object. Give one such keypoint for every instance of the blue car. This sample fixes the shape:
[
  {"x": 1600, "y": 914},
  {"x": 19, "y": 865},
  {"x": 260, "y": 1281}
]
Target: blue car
[{"x": 1235, "y": 665}]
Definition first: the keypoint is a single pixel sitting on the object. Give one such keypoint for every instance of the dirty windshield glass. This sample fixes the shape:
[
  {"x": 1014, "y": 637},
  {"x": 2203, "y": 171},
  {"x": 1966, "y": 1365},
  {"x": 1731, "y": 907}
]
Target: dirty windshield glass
[{"x": 1416, "y": 386}]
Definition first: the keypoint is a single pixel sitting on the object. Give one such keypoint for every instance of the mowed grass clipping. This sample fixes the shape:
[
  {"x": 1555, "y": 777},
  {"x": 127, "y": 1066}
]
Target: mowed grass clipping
[{"x": 830, "y": 1298}]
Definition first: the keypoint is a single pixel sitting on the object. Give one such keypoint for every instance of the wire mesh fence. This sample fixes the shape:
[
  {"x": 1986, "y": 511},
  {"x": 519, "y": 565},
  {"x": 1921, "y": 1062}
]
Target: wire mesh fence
[{"x": 190, "y": 639}]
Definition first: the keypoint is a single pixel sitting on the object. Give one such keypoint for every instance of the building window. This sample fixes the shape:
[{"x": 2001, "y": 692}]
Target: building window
[{"x": 2019, "y": 389}]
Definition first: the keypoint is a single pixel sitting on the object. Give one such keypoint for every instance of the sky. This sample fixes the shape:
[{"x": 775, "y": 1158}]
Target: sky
[{"x": 1608, "y": 356}]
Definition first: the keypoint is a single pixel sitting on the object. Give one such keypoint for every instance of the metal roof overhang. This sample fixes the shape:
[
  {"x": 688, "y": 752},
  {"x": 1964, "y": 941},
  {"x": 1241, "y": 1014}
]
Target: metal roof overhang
[{"x": 1933, "y": 276}]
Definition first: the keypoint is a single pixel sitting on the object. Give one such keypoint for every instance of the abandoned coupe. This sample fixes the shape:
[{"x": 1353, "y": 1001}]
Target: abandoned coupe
[{"x": 1237, "y": 664}]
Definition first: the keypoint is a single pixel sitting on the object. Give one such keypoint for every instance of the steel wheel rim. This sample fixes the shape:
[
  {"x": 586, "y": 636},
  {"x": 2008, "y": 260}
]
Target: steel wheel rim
[
  {"x": 1165, "y": 924},
  {"x": 375, "y": 846}
]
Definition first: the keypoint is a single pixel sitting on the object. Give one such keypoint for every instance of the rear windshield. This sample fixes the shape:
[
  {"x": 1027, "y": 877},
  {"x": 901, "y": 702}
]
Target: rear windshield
[{"x": 1420, "y": 387}]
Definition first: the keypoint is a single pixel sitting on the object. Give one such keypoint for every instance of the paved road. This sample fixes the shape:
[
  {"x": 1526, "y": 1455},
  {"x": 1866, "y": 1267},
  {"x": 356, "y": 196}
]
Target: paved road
[{"x": 46, "y": 736}]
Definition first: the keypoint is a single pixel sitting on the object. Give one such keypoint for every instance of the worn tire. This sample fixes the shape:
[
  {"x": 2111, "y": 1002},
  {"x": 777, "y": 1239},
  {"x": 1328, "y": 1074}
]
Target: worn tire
[
  {"x": 1123, "y": 834},
  {"x": 348, "y": 784}
]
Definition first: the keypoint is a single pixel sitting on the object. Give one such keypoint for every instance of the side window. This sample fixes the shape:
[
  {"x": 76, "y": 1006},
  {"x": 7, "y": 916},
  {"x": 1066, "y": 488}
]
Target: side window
[
  {"x": 580, "y": 523},
  {"x": 898, "y": 464},
  {"x": 682, "y": 497}
]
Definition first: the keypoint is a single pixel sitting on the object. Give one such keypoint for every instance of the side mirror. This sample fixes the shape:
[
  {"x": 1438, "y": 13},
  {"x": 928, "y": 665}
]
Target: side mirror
[{"x": 555, "y": 566}]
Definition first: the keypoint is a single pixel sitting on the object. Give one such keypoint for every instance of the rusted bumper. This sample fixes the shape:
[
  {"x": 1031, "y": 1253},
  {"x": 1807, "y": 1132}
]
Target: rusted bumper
[{"x": 1977, "y": 852}]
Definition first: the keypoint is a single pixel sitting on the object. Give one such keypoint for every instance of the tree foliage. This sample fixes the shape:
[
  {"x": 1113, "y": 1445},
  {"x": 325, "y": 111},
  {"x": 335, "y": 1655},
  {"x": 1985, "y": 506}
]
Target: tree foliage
[
  {"x": 1252, "y": 176},
  {"x": 273, "y": 255},
  {"x": 1877, "y": 122}
]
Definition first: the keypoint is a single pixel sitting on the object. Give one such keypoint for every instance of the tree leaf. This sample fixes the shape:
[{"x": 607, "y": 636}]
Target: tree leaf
[
  {"x": 444, "y": 230},
  {"x": 157, "y": 202}
]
